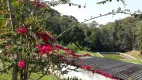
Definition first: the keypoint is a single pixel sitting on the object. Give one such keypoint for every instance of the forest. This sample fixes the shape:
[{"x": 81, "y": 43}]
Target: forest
[{"x": 118, "y": 36}]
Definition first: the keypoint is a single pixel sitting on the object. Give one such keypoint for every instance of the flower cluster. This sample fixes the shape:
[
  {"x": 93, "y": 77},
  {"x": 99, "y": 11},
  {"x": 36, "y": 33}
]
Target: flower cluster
[
  {"x": 37, "y": 3},
  {"x": 21, "y": 64},
  {"x": 40, "y": 5},
  {"x": 22, "y": 30},
  {"x": 45, "y": 37},
  {"x": 44, "y": 49},
  {"x": 61, "y": 47}
]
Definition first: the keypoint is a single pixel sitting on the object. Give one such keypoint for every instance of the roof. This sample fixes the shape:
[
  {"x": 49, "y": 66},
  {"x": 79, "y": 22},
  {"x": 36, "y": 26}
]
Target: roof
[{"x": 118, "y": 69}]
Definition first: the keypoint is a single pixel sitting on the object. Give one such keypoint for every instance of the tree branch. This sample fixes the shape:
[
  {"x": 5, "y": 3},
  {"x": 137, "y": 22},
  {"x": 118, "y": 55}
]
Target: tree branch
[
  {"x": 42, "y": 75},
  {"x": 10, "y": 11}
]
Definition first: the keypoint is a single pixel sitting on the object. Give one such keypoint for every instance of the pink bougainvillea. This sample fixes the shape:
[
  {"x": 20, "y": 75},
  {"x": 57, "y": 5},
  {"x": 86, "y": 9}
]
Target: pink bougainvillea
[
  {"x": 44, "y": 36},
  {"x": 22, "y": 30},
  {"x": 21, "y": 64},
  {"x": 81, "y": 66},
  {"x": 61, "y": 47},
  {"x": 44, "y": 49},
  {"x": 80, "y": 61},
  {"x": 87, "y": 67}
]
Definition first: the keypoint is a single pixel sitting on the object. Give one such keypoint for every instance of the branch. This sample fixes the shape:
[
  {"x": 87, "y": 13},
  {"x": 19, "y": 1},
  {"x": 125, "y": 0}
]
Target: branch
[
  {"x": 42, "y": 75},
  {"x": 55, "y": 3},
  {"x": 105, "y": 1},
  {"x": 12, "y": 25}
]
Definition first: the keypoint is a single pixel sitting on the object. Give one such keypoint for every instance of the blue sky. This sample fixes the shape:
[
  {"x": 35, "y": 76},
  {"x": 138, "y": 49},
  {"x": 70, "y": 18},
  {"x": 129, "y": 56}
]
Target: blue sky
[{"x": 93, "y": 9}]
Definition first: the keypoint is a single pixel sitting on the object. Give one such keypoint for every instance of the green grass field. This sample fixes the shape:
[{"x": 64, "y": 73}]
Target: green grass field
[
  {"x": 34, "y": 76},
  {"x": 113, "y": 56}
]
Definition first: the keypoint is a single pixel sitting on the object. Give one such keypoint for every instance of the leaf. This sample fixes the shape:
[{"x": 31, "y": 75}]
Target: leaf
[
  {"x": 15, "y": 48},
  {"x": 28, "y": 54}
]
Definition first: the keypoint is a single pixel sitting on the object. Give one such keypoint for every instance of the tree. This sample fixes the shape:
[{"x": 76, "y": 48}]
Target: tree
[{"x": 27, "y": 43}]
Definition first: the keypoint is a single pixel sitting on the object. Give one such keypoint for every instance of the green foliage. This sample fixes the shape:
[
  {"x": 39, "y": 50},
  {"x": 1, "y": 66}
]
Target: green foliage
[
  {"x": 139, "y": 34},
  {"x": 121, "y": 35},
  {"x": 33, "y": 76},
  {"x": 74, "y": 47}
]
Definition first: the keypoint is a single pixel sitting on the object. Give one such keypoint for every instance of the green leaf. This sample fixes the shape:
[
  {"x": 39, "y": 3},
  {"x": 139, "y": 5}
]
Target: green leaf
[
  {"x": 15, "y": 48},
  {"x": 28, "y": 54}
]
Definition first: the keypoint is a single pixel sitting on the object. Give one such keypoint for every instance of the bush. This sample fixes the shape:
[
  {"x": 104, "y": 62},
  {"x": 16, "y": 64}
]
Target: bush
[{"x": 75, "y": 47}]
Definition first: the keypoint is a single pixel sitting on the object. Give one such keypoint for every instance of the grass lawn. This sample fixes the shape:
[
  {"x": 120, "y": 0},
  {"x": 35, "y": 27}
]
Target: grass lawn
[
  {"x": 34, "y": 76},
  {"x": 112, "y": 56}
]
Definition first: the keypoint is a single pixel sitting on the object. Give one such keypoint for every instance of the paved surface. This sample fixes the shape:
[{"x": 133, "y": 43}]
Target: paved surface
[{"x": 118, "y": 69}]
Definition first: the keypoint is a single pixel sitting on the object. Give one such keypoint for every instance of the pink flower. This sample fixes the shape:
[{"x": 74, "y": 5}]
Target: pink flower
[
  {"x": 66, "y": 52},
  {"x": 21, "y": 64},
  {"x": 52, "y": 39},
  {"x": 44, "y": 36},
  {"x": 59, "y": 46},
  {"x": 81, "y": 66},
  {"x": 66, "y": 49},
  {"x": 44, "y": 49},
  {"x": 80, "y": 61},
  {"x": 108, "y": 76},
  {"x": 38, "y": 45},
  {"x": 86, "y": 54},
  {"x": 38, "y": 4},
  {"x": 100, "y": 72},
  {"x": 88, "y": 67},
  {"x": 74, "y": 55},
  {"x": 21, "y": 30}
]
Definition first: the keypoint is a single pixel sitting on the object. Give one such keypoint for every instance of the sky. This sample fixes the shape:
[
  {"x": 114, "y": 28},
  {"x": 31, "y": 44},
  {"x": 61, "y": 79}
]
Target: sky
[{"x": 93, "y": 9}]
